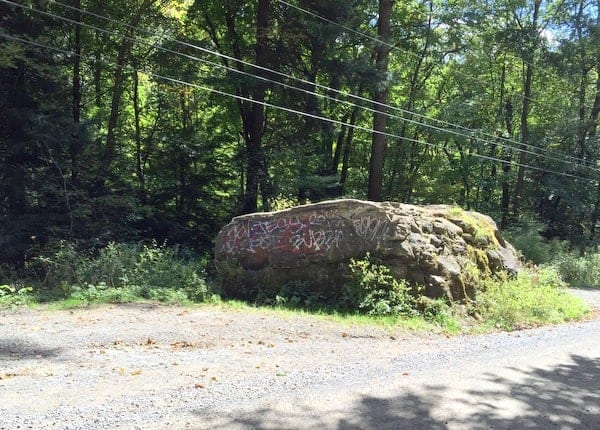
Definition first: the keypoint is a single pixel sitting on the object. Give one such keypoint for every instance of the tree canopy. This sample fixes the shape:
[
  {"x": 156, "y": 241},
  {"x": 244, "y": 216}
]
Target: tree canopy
[{"x": 126, "y": 120}]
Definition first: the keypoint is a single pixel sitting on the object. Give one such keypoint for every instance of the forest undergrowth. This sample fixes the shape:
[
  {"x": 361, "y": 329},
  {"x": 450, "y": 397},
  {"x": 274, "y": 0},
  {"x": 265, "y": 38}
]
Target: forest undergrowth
[{"x": 67, "y": 277}]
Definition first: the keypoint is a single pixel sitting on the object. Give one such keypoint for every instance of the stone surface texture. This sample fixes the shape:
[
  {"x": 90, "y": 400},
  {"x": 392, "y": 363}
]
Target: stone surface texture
[{"x": 442, "y": 248}]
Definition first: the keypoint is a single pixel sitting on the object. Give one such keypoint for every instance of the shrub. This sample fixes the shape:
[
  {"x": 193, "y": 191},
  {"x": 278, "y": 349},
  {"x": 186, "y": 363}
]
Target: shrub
[
  {"x": 527, "y": 239},
  {"x": 11, "y": 295},
  {"x": 374, "y": 290},
  {"x": 103, "y": 293},
  {"x": 532, "y": 298},
  {"x": 298, "y": 294},
  {"x": 59, "y": 269},
  {"x": 579, "y": 271},
  {"x": 139, "y": 269}
]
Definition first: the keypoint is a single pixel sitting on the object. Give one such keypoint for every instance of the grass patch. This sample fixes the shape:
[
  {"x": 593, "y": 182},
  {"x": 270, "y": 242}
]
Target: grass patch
[
  {"x": 371, "y": 296},
  {"x": 531, "y": 299},
  {"x": 345, "y": 318}
]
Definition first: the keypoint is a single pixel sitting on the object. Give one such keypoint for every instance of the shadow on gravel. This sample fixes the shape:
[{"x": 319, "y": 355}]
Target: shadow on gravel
[
  {"x": 565, "y": 397},
  {"x": 16, "y": 349}
]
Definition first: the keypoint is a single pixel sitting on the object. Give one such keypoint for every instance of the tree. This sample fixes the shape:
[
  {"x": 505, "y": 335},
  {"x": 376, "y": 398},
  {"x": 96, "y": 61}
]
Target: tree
[
  {"x": 380, "y": 97},
  {"x": 35, "y": 132},
  {"x": 223, "y": 24}
]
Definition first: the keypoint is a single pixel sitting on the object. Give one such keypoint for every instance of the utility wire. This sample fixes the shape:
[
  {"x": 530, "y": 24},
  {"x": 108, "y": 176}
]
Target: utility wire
[
  {"x": 294, "y": 111},
  {"x": 443, "y": 130},
  {"x": 395, "y": 47},
  {"x": 325, "y": 96},
  {"x": 519, "y": 148},
  {"x": 351, "y": 30}
]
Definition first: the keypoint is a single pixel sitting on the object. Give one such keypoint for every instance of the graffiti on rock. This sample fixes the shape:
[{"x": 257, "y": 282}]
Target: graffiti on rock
[
  {"x": 314, "y": 233},
  {"x": 371, "y": 227}
]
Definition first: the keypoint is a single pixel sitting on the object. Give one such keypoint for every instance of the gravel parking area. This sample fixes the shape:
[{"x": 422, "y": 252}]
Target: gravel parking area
[{"x": 147, "y": 366}]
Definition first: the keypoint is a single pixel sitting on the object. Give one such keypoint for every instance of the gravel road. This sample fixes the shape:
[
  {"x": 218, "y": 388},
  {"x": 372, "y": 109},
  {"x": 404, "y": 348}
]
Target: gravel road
[{"x": 144, "y": 366}]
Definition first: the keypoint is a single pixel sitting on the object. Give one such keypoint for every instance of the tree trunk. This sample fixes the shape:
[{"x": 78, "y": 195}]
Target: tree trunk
[
  {"x": 505, "y": 199},
  {"x": 418, "y": 78},
  {"x": 117, "y": 93},
  {"x": 527, "y": 91},
  {"x": 99, "y": 43},
  {"x": 123, "y": 55},
  {"x": 139, "y": 162},
  {"x": 592, "y": 131},
  {"x": 582, "y": 93},
  {"x": 518, "y": 197},
  {"x": 76, "y": 142},
  {"x": 348, "y": 144},
  {"x": 337, "y": 153},
  {"x": 381, "y": 94},
  {"x": 256, "y": 114}
]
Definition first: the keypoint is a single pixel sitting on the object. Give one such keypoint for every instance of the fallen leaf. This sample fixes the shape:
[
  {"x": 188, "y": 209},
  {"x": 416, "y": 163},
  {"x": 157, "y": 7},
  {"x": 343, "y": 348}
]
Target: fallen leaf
[
  {"x": 182, "y": 344},
  {"x": 7, "y": 376}
]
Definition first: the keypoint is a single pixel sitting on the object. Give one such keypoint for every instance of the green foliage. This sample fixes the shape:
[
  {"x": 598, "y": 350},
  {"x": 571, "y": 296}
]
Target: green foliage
[
  {"x": 294, "y": 295},
  {"x": 119, "y": 272},
  {"x": 231, "y": 277},
  {"x": 282, "y": 202},
  {"x": 439, "y": 312},
  {"x": 527, "y": 239},
  {"x": 374, "y": 290},
  {"x": 102, "y": 293},
  {"x": 532, "y": 298},
  {"x": 579, "y": 271},
  {"x": 11, "y": 295}
]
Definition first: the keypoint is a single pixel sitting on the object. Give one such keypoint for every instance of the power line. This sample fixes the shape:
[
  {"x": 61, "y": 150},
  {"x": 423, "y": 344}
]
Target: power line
[
  {"x": 365, "y": 35},
  {"x": 351, "y": 30},
  {"x": 325, "y": 96},
  {"x": 294, "y": 111},
  {"x": 569, "y": 159},
  {"x": 313, "y": 14},
  {"x": 520, "y": 148}
]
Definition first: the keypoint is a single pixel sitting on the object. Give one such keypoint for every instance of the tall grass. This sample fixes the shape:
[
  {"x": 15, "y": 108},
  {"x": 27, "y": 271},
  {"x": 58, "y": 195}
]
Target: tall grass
[
  {"x": 579, "y": 271},
  {"x": 120, "y": 272},
  {"x": 533, "y": 298}
]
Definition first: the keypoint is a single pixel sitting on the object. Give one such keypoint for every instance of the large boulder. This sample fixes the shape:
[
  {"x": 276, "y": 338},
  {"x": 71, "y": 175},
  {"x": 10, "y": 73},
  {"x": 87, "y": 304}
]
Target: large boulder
[{"x": 442, "y": 248}]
